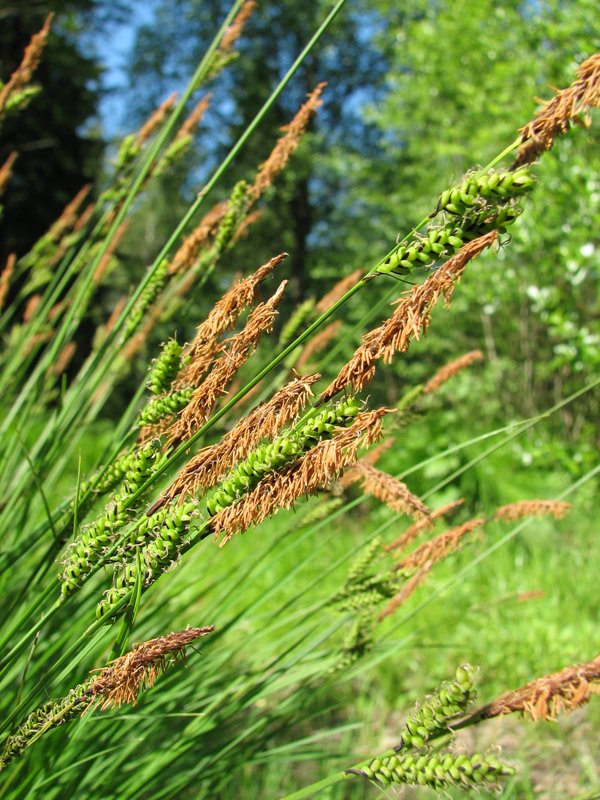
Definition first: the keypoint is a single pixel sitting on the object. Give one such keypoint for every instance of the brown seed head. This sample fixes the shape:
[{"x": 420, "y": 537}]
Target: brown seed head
[
  {"x": 155, "y": 120},
  {"x": 5, "y": 277},
  {"x": 286, "y": 145},
  {"x": 322, "y": 464},
  {"x": 6, "y": 170},
  {"x": 64, "y": 359},
  {"x": 546, "y": 697},
  {"x": 439, "y": 547},
  {"x": 555, "y": 117},
  {"x": 223, "y": 316},
  {"x": 406, "y": 591},
  {"x": 104, "y": 262},
  {"x": 410, "y": 319},
  {"x": 31, "y": 58},
  {"x": 390, "y": 491},
  {"x": 68, "y": 217},
  {"x": 450, "y": 370},
  {"x": 31, "y": 307},
  {"x": 123, "y": 679},
  {"x": 186, "y": 255},
  {"x": 532, "y": 508},
  {"x": 191, "y": 123},
  {"x": 236, "y": 351},
  {"x": 234, "y": 31},
  {"x": 263, "y": 422}
]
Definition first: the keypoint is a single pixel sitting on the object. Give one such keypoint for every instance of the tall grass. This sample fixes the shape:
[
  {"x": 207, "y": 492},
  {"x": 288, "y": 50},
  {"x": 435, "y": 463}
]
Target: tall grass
[{"x": 156, "y": 533}]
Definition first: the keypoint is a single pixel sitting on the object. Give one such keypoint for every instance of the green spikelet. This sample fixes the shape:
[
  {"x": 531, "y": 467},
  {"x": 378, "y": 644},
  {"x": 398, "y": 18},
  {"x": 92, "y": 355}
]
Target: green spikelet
[
  {"x": 360, "y": 565},
  {"x": 159, "y": 539},
  {"x": 165, "y": 406},
  {"x": 494, "y": 185},
  {"x": 280, "y": 452},
  {"x": 128, "y": 152},
  {"x": 302, "y": 314},
  {"x": 489, "y": 204},
  {"x": 431, "y": 719},
  {"x": 40, "y": 721},
  {"x": 148, "y": 296},
  {"x": 410, "y": 398},
  {"x": 436, "y": 770},
  {"x": 165, "y": 368},
  {"x": 358, "y": 641},
  {"x": 89, "y": 546},
  {"x": 174, "y": 153},
  {"x": 236, "y": 210},
  {"x": 20, "y": 99}
]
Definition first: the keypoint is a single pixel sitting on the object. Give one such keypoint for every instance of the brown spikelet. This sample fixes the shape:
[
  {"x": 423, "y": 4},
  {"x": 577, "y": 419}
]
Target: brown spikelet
[
  {"x": 286, "y": 145},
  {"x": 155, "y": 120},
  {"x": 546, "y": 697},
  {"x": 68, "y": 217},
  {"x": 38, "y": 338},
  {"x": 223, "y": 316},
  {"x": 422, "y": 560},
  {"x": 264, "y": 422},
  {"x": 191, "y": 123},
  {"x": 532, "y": 508},
  {"x": 322, "y": 464},
  {"x": 84, "y": 217},
  {"x": 390, "y": 491},
  {"x": 556, "y": 115},
  {"x": 186, "y": 254},
  {"x": 425, "y": 524},
  {"x": 236, "y": 351},
  {"x": 450, "y": 370},
  {"x": 5, "y": 277},
  {"x": 318, "y": 343},
  {"x": 31, "y": 307},
  {"x": 339, "y": 290},
  {"x": 409, "y": 587},
  {"x": 64, "y": 358},
  {"x": 112, "y": 320},
  {"x": 439, "y": 547},
  {"x": 234, "y": 31},
  {"x": 410, "y": 319},
  {"x": 105, "y": 261},
  {"x": 123, "y": 679},
  {"x": 6, "y": 170},
  {"x": 31, "y": 58}
]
